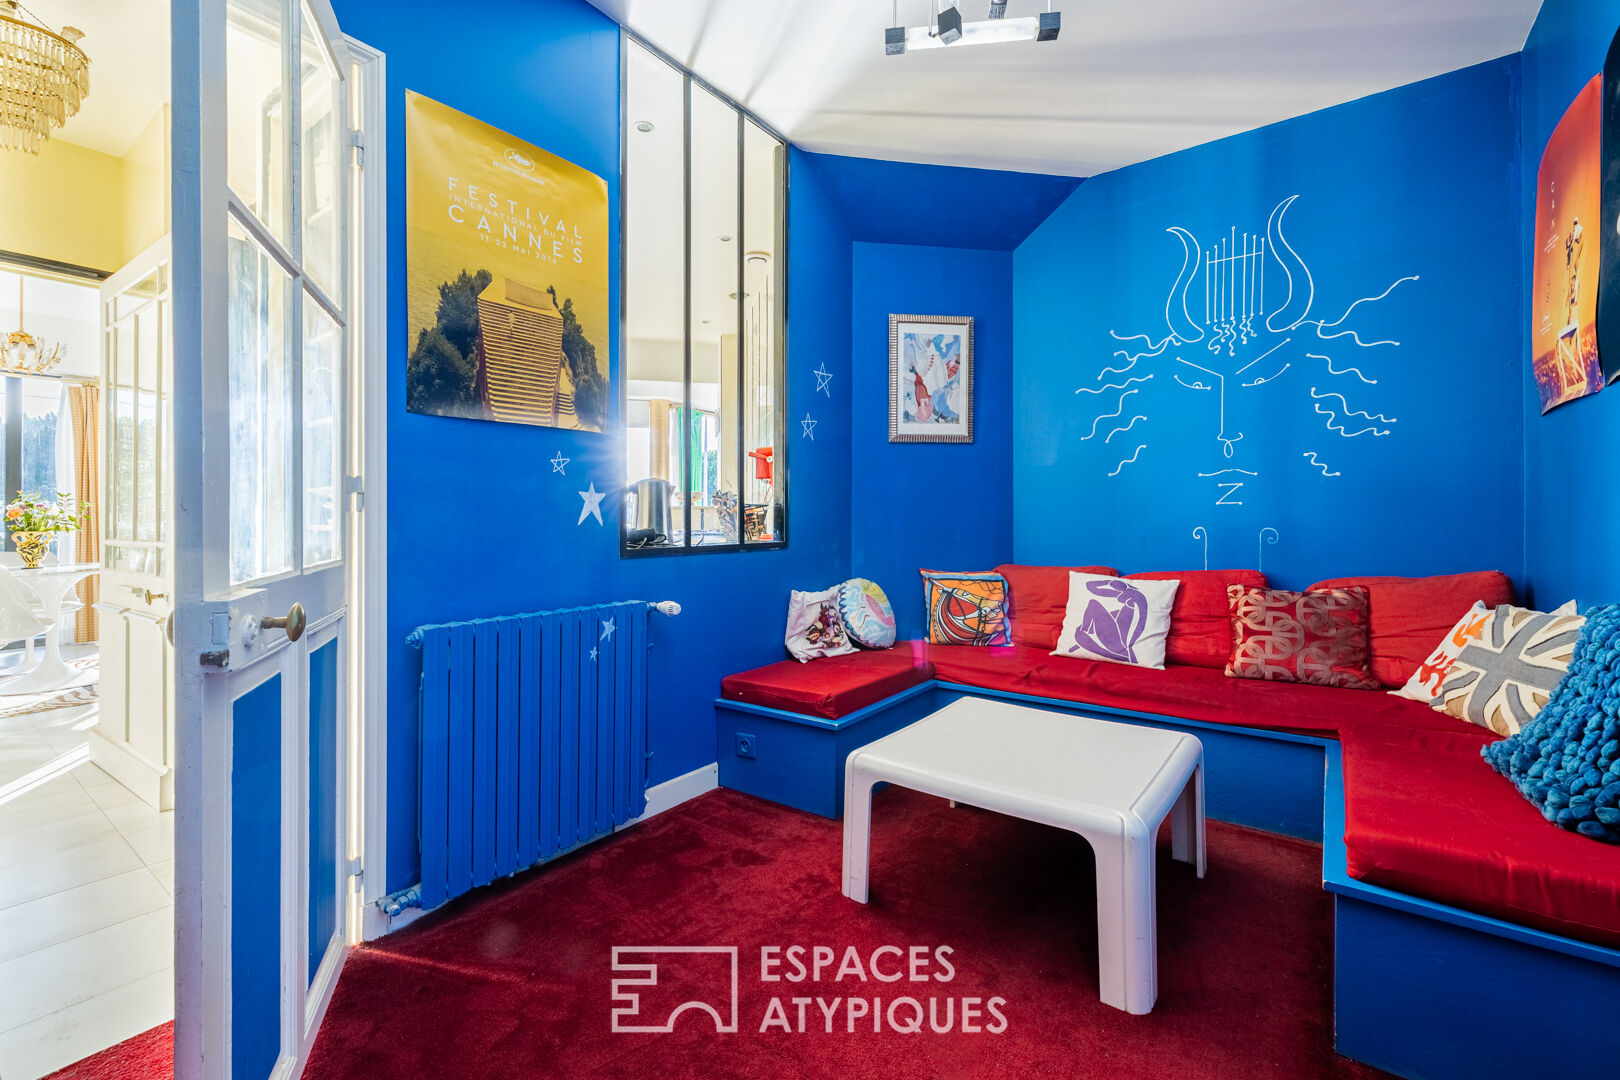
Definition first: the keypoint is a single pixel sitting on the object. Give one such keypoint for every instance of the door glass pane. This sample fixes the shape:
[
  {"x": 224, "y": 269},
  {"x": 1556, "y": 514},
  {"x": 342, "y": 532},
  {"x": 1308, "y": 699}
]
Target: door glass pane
[
  {"x": 260, "y": 411},
  {"x": 121, "y": 414},
  {"x": 655, "y": 283},
  {"x": 764, "y": 165},
  {"x": 323, "y": 396},
  {"x": 256, "y": 136},
  {"x": 41, "y": 402},
  {"x": 321, "y": 189},
  {"x": 716, "y": 460},
  {"x": 148, "y": 444}
]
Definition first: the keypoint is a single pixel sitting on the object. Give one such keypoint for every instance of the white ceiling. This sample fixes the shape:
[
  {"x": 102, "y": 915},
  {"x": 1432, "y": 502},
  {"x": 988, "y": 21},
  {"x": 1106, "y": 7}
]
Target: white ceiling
[
  {"x": 1127, "y": 80},
  {"x": 128, "y": 45}
]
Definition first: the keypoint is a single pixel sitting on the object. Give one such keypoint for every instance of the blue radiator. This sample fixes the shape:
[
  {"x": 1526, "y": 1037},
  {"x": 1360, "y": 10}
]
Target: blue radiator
[{"x": 533, "y": 739}]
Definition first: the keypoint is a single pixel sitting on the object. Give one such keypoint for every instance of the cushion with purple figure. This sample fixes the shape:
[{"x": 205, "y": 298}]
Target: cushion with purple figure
[{"x": 1120, "y": 620}]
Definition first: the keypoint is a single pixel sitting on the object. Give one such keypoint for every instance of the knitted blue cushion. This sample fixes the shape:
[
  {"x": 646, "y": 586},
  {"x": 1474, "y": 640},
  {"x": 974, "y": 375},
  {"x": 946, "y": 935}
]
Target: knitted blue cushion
[{"x": 1567, "y": 760}]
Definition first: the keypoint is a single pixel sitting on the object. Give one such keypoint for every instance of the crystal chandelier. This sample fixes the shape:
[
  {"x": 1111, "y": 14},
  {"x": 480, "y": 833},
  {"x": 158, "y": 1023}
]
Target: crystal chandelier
[
  {"x": 22, "y": 353},
  {"x": 43, "y": 78}
]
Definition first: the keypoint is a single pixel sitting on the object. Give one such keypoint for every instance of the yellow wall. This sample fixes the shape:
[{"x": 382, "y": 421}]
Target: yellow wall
[{"x": 76, "y": 205}]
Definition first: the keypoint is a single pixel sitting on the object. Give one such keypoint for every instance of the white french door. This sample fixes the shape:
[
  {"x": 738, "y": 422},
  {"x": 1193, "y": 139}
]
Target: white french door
[{"x": 265, "y": 185}]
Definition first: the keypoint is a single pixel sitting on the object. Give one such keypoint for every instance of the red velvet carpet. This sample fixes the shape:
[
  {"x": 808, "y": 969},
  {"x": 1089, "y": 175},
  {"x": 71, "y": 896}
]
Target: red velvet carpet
[
  {"x": 147, "y": 1056},
  {"x": 516, "y": 981}
]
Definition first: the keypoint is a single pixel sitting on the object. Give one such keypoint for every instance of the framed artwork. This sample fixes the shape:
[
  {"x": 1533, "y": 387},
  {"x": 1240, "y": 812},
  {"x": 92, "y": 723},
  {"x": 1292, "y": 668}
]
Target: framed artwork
[
  {"x": 1563, "y": 330},
  {"x": 1608, "y": 236},
  {"x": 506, "y": 265},
  {"x": 930, "y": 378}
]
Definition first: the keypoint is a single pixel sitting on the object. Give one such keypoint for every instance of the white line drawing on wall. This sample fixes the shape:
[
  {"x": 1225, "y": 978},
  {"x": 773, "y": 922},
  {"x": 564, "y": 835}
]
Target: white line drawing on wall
[
  {"x": 1129, "y": 460},
  {"x": 1310, "y": 455},
  {"x": 1127, "y": 427},
  {"x": 1260, "y": 558},
  {"x": 1200, "y": 533},
  {"x": 1118, "y": 412},
  {"x": 1239, "y": 316}
]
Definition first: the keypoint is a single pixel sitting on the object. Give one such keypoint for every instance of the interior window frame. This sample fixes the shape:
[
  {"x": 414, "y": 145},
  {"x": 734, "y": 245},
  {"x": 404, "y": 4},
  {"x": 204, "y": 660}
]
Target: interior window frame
[{"x": 780, "y": 455}]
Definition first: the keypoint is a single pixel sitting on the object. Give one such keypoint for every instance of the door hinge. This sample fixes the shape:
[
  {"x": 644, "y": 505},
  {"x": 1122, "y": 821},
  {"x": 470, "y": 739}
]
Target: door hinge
[
  {"x": 356, "y": 486},
  {"x": 358, "y": 141},
  {"x": 357, "y": 868}
]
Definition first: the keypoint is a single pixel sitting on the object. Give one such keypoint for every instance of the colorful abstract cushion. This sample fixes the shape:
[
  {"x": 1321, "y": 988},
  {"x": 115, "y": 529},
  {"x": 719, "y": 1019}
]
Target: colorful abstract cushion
[
  {"x": 1037, "y": 597},
  {"x": 814, "y": 626},
  {"x": 867, "y": 614},
  {"x": 1116, "y": 619},
  {"x": 1502, "y": 679},
  {"x": 1424, "y": 685},
  {"x": 1200, "y": 623},
  {"x": 1318, "y": 637},
  {"x": 968, "y": 608}
]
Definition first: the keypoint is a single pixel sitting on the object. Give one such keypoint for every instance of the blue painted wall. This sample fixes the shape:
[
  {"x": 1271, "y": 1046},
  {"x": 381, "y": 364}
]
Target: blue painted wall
[
  {"x": 1422, "y": 180},
  {"x": 548, "y": 72},
  {"x": 946, "y": 507},
  {"x": 1571, "y": 506}
]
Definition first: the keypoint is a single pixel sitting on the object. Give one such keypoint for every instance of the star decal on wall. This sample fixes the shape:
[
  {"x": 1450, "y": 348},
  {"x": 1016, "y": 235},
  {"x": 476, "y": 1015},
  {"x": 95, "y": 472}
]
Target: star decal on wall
[
  {"x": 593, "y": 654},
  {"x": 559, "y": 463},
  {"x": 808, "y": 428},
  {"x": 607, "y": 630},
  {"x": 823, "y": 377},
  {"x": 593, "y": 505}
]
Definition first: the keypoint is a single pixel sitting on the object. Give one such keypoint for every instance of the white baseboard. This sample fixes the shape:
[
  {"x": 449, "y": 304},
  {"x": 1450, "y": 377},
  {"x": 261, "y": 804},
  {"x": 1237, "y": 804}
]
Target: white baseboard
[
  {"x": 671, "y": 793},
  {"x": 660, "y": 797}
]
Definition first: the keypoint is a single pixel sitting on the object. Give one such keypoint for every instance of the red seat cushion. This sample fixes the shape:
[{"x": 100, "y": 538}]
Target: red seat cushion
[
  {"x": 834, "y": 686},
  {"x": 1410, "y": 616},
  {"x": 1425, "y": 815},
  {"x": 1200, "y": 622},
  {"x": 1037, "y": 597},
  {"x": 1180, "y": 690}
]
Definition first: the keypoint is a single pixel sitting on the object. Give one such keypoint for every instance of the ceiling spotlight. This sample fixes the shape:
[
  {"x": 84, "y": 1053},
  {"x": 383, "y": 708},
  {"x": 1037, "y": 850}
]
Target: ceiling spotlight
[
  {"x": 951, "y": 30},
  {"x": 644, "y": 126}
]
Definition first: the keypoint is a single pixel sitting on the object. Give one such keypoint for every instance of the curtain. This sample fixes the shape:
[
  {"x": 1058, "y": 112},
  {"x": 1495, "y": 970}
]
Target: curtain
[{"x": 84, "y": 405}]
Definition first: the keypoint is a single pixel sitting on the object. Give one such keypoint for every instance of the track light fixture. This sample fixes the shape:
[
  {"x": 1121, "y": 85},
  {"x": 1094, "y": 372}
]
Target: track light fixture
[{"x": 946, "y": 28}]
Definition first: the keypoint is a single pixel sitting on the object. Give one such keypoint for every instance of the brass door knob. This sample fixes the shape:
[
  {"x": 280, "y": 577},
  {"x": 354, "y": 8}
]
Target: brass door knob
[
  {"x": 293, "y": 623},
  {"x": 149, "y": 596}
]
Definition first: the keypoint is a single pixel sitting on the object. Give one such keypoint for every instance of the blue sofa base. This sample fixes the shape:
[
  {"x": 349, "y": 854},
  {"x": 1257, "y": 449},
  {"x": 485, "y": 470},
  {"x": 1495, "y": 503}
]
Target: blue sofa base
[{"x": 1421, "y": 990}]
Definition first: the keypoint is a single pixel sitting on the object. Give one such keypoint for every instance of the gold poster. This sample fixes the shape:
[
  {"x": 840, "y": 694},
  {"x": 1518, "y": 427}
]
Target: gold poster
[{"x": 507, "y": 274}]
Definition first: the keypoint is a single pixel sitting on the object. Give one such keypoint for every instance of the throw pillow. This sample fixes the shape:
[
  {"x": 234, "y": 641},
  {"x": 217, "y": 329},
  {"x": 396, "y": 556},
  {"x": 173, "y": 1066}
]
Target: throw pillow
[
  {"x": 1502, "y": 679},
  {"x": 1114, "y": 619},
  {"x": 1567, "y": 760},
  {"x": 1424, "y": 685},
  {"x": 814, "y": 626},
  {"x": 968, "y": 608},
  {"x": 1317, "y": 637},
  {"x": 866, "y": 612}
]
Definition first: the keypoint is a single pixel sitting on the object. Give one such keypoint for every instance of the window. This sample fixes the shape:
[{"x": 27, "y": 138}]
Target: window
[{"x": 705, "y": 197}]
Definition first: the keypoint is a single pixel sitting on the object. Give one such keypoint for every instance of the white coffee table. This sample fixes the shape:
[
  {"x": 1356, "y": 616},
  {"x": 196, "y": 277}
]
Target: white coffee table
[{"x": 1112, "y": 783}]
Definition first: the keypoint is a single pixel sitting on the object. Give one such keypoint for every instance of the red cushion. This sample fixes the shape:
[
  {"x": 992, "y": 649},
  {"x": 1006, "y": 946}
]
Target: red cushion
[
  {"x": 1180, "y": 690},
  {"x": 1200, "y": 622},
  {"x": 1037, "y": 597},
  {"x": 833, "y": 686},
  {"x": 1410, "y": 616},
  {"x": 1318, "y": 637},
  {"x": 1424, "y": 815}
]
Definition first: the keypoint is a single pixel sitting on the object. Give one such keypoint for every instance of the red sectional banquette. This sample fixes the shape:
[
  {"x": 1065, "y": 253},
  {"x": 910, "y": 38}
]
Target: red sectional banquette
[{"x": 1424, "y": 815}]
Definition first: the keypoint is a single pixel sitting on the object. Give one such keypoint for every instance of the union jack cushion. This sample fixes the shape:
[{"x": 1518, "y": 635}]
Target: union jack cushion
[{"x": 1501, "y": 679}]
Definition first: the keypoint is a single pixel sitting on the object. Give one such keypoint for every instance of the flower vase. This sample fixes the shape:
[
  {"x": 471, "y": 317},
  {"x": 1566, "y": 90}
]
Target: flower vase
[{"x": 32, "y": 546}]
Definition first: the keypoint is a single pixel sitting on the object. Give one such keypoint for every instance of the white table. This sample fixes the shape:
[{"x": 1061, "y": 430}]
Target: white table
[
  {"x": 1114, "y": 784},
  {"x": 52, "y": 585}
]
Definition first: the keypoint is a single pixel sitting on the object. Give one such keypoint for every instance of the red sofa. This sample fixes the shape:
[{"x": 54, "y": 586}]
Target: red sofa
[{"x": 1424, "y": 815}]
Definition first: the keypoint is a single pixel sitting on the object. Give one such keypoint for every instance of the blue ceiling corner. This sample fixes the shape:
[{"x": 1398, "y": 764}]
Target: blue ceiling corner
[{"x": 895, "y": 202}]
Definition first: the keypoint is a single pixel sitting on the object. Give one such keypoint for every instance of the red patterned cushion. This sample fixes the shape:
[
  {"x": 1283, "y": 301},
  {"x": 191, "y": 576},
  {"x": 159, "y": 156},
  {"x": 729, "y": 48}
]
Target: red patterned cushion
[{"x": 1318, "y": 637}]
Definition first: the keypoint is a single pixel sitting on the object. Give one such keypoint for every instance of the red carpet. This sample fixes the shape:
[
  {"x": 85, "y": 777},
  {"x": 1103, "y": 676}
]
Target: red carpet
[
  {"x": 516, "y": 981},
  {"x": 147, "y": 1056}
]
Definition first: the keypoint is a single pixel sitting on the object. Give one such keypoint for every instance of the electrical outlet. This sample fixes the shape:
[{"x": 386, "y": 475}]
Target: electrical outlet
[{"x": 745, "y": 745}]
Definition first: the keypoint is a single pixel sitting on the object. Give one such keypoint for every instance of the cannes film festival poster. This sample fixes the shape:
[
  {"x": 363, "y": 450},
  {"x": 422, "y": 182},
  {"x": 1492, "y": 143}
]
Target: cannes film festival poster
[
  {"x": 1563, "y": 329},
  {"x": 507, "y": 274}
]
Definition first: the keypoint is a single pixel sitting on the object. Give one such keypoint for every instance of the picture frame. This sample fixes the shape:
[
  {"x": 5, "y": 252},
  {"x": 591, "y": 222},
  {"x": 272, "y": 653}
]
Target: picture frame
[{"x": 931, "y": 378}]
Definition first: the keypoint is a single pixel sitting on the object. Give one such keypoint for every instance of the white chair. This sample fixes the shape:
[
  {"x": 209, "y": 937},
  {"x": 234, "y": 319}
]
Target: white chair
[{"x": 21, "y": 614}]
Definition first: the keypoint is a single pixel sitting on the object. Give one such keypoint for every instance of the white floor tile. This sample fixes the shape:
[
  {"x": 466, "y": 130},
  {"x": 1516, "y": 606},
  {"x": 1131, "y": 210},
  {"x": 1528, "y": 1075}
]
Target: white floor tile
[
  {"x": 54, "y": 978},
  {"x": 134, "y": 816},
  {"x": 110, "y": 795},
  {"x": 34, "y": 841},
  {"x": 62, "y": 916},
  {"x": 34, "y": 878},
  {"x": 91, "y": 775},
  {"x": 56, "y": 798},
  {"x": 154, "y": 845},
  {"x": 164, "y": 872},
  {"x": 45, "y": 1045}
]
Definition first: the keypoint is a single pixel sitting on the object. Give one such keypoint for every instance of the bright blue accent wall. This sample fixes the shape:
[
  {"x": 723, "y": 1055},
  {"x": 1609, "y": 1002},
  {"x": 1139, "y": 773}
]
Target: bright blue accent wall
[
  {"x": 1421, "y": 180},
  {"x": 548, "y": 72},
  {"x": 256, "y": 880},
  {"x": 949, "y": 506},
  {"x": 323, "y": 839},
  {"x": 1571, "y": 507}
]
